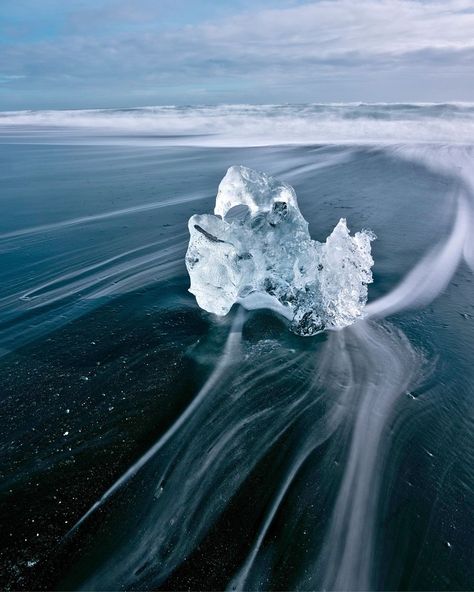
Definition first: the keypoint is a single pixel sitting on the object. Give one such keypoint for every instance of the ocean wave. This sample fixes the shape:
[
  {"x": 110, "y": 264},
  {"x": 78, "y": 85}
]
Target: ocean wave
[{"x": 258, "y": 125}]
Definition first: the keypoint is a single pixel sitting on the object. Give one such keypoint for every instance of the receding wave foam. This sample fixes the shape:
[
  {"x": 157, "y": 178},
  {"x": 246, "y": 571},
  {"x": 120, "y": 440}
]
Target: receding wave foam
[{"x": 246, "y": 125}]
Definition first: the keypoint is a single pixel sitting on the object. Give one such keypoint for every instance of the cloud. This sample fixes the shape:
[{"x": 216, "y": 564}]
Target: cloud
[{"x": 267, "y": 48}]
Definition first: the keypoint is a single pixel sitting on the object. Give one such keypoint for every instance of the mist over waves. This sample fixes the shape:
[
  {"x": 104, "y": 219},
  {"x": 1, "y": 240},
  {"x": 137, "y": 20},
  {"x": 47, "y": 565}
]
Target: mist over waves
[{"x": 256, "y": 125}]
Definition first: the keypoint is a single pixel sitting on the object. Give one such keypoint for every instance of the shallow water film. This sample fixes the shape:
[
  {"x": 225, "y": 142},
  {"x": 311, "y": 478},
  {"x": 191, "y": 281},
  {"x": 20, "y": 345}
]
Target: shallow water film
[{"x": 149, "y": 445}]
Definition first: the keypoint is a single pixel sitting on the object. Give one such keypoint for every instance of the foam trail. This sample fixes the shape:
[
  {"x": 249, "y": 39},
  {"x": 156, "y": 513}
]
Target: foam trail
[
  {"x": 239, "y": 581},
  {"x": 80, "y": 279},
  {"x": 89, "y": 285},
  {"x": 230, "y": 350},
  {"x": 362, "y": 371},
  {"x": 431, "y": 274},
  {"x": 316, "y": 435},
  {"x": 65, "y": 293},
  {"x": 203, "y": 468},
  {"x": 98, "y": 217},
  {"x": 251, "y": 125},
  {"x": 387, "y": 366}
]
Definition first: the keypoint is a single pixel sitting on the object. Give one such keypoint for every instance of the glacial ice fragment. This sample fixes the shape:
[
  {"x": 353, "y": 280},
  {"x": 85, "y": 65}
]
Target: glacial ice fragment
[{"x": 256, "y": 250}]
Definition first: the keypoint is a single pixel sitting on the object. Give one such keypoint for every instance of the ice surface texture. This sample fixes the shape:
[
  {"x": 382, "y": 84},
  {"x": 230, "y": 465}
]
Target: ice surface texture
[{"x": 256, "y": 250}]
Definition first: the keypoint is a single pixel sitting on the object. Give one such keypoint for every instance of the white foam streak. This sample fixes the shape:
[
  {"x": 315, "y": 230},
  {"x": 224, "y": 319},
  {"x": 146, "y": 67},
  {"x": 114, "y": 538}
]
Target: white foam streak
[
  {"x": 431, "y": 274},
  {"x": 227, "y": 358},
  {"x": 255, "y": 125},
  {"x": 335, "y": 349},
  {"x": 99, "y": 217},
  {"x": 388, "y": 366}
]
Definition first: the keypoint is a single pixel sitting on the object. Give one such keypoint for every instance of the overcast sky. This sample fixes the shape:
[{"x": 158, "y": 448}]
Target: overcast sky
[{"x": 113, "y": 53}]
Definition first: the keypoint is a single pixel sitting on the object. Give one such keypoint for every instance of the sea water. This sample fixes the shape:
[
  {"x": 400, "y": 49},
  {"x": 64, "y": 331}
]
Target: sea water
[{"x": 148, "y": 444}]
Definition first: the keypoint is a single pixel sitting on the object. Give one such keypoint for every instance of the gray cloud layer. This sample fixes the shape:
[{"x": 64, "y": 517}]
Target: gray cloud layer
[{"x": 123, "y": 53}]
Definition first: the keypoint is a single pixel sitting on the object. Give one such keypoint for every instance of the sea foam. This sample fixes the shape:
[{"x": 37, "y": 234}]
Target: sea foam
[{"x": 260, "y": 125}]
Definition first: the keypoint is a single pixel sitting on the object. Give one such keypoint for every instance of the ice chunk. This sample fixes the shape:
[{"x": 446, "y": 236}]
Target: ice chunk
[
  {"x": 256, "y": 250},
  {"x": 257, "y": 191}
]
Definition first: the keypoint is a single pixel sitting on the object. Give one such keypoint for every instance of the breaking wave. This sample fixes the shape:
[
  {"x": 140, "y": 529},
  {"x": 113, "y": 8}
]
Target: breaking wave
[{"x": 257, "y": 125}]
